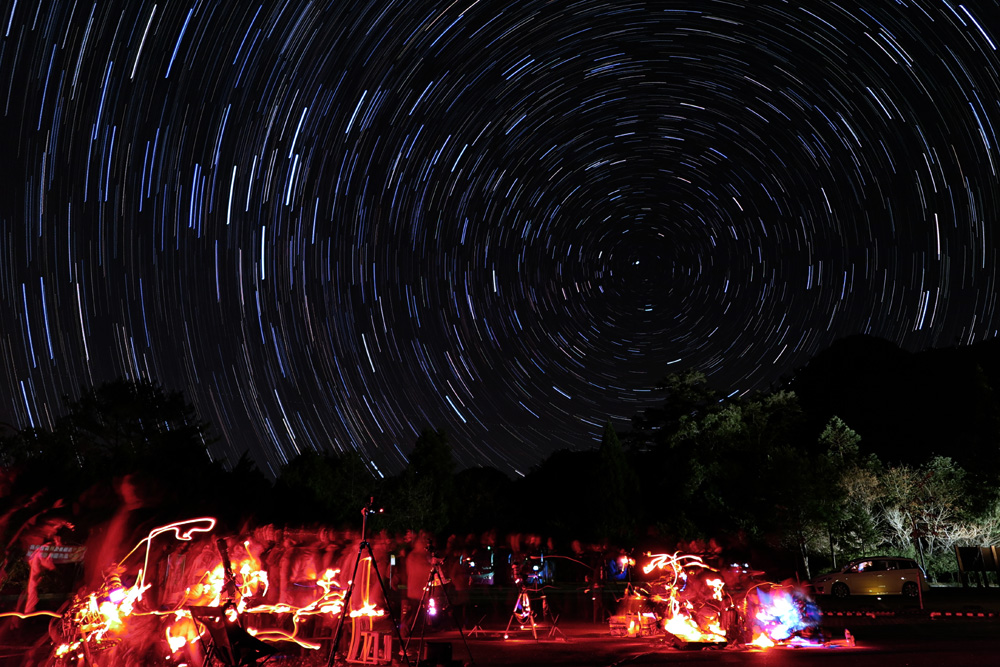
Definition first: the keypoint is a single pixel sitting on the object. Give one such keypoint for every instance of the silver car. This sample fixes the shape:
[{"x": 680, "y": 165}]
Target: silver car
[{"x": 881, "y": 575}]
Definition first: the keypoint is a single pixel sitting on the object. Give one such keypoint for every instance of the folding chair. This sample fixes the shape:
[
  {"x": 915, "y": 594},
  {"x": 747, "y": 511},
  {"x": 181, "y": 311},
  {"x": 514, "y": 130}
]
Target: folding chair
[{"x": 229, "y": 644}]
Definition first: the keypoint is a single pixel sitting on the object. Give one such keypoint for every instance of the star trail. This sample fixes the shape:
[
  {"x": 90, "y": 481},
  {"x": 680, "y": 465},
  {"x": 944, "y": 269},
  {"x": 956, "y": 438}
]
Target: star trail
[{"x": 334, "y": 224}]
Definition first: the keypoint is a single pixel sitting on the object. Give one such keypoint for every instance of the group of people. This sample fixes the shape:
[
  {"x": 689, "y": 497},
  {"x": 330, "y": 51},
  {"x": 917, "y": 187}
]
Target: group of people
[{"x": 55, "y": 551}]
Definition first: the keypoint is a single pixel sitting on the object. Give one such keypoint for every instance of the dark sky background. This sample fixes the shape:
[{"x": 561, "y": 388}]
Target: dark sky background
[{"x": 333, "y": 224}]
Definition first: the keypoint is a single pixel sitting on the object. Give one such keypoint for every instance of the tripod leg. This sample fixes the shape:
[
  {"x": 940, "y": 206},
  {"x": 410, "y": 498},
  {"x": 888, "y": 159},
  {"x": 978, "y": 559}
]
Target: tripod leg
[
  {"x": 513, "y": 615},
  {"x": 346, "y": 608},
  {"x": 388, "y": 606},
  {"x": 531, "y": 614},
  {"x": 419, "y": 616},
  {"x": 524, "y": 603},
  {"x": 451, "y": 610}
]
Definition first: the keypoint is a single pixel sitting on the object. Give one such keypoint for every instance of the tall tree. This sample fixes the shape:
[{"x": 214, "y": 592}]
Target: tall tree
[
  {"x": 616, "y": 488},
  {"x": 687, "y": 395},
  {"x": 840, "y": 441},
  {"x": 859, "y": 530},
  {"x": 122, "y": 422},
  {"x": 115, "y": 428},
  {"x": 846, "y": 488},
  {"x": 329, "y": 488},
  {"x": 486, "y": 499},
  {"x": 426, "y": 491}
]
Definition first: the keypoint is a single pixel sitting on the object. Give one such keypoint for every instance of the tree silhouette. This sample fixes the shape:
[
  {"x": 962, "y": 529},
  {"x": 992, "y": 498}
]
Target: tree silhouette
[
  {"x": 329, "y": 488},
  {"x": 485, "y": 498},
  {"x": 616, "y": 489},
  {"x": 425, "y": 492},
  {"x": 115, "y": 428},
  {"x": 688, "y": 395}
]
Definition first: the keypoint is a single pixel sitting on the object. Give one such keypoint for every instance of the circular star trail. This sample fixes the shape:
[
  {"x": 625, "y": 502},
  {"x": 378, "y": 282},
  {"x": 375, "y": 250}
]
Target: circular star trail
[{"x": 335, "y": 224}]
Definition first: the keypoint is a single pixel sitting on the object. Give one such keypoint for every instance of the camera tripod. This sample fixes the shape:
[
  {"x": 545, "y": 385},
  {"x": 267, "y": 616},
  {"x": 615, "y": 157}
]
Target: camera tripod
[
  {"x": 365, "y": 547},
  {"x": 523, "y": 615},
  {"x": 434, "y": 578}
]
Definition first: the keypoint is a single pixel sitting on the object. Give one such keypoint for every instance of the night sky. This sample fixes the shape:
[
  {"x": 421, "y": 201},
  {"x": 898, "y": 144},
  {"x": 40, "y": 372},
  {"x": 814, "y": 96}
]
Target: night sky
[{"x": 332, "y": 225}]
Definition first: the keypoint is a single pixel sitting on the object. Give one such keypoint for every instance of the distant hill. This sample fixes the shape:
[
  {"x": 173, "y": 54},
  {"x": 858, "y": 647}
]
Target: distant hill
[{"x": 909, "y": 406}]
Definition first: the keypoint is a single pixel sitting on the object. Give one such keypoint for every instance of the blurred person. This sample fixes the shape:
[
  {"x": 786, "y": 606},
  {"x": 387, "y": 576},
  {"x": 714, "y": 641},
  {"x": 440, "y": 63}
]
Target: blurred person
[
  {"x": 44, "y": 555},
  {"x": 456, "y": 571},
  {"x": 109, "y": 542},
  {"x": 418, "y": 570},
  {"x": 305, "y": 570}
]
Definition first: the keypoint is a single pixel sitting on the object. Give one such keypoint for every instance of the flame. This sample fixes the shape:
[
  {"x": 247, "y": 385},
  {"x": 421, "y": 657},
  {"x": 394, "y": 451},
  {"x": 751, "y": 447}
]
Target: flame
[{"x": 682, "y": 578}]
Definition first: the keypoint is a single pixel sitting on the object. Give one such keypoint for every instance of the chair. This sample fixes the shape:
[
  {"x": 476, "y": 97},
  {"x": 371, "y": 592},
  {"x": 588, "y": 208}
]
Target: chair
[{"x": 229, "y": 644}]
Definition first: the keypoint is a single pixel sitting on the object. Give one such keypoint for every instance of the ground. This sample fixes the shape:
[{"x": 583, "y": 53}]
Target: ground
[{"x": 955, "y": 627}]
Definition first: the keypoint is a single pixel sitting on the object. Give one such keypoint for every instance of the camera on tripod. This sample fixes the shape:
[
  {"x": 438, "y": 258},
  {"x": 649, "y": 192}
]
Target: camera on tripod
[{"x": 370, "y": 508}]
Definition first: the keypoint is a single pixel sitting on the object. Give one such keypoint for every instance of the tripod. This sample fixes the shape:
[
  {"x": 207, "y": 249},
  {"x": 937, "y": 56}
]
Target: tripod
[
  {"x": 434, "y": 578},
  {"x": 365, "y": 547},
  {"x": 523, "y": 615}
]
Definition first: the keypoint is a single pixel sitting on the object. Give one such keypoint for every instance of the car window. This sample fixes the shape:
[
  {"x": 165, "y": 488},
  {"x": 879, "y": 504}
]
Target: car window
[{"x": 860, "y": 566}]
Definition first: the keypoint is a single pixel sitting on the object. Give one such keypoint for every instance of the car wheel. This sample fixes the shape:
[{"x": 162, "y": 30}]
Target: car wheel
[
  {"x": 910, "y": 589},
  {"x": 840, "y": 590}
]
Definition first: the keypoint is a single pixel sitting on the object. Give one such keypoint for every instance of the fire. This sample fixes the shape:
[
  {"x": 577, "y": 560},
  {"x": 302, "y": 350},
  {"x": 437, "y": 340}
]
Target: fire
[{"x": 210, "y": 587}]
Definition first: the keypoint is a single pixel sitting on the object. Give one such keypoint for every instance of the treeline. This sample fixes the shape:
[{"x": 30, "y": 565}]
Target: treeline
[
  {"x": 759, "y": 467},
  {"x": 866, "y": 450}
]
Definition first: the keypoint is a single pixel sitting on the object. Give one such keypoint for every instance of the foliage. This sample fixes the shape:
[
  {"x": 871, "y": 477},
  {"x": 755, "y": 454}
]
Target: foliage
[
  {"x": 760, "y": 470},
  {"x": 330, "y": 488},
  {"x": 687, "y": 395},
  {"x": 424, "y": 495},
  {"x": 840, "y": 441},
  {"x": 923, "y": 512},
  {"x": 857, "y": 530},
  {"x": 616, "y": 489},
  {"x": 484, "y": 495},
  {"x": 113, "y": 429}
]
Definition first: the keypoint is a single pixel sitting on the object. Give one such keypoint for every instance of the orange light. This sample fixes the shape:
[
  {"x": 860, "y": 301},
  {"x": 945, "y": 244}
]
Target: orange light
[{"x": 101, "y": 618}]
